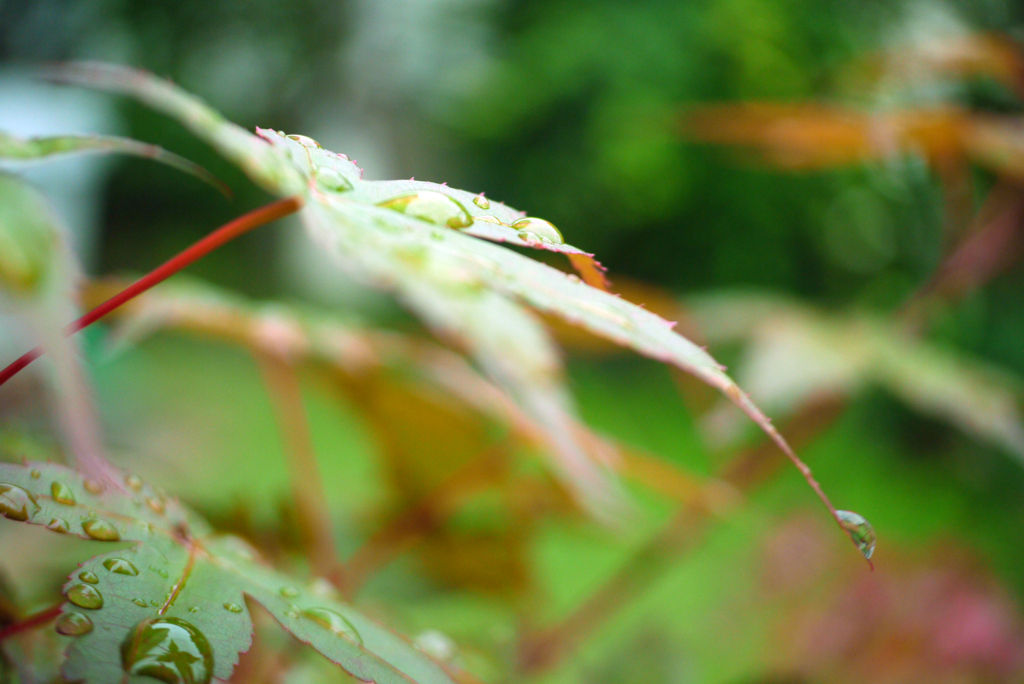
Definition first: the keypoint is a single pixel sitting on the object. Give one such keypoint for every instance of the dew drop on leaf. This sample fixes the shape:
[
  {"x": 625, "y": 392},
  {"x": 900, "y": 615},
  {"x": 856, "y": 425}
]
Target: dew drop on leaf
[
  {"x": 73, "y": 624},
  {"x": 489, "y": 219},
  {"x": 139, "y": 602},
  {"x": 58, "y": 525},
  {"x": 545, "y": 231},
  {"x": 120, "y": 566},
  {"x": 289, "y": 592},
  {"x": 101, "y": 530},
  {"x": 16, "y": 503},
  {"x": 88, "y": 577},
  {"x": 232, "y": 607},
  {"x": 860, "y": 531},
  {"x": 35, "y": 474},
  {"x": 85, "y": 596},
  {"x": 93, "y": 487},
  {"x": 482, "y": 202},
  {"x": 169, "y": 649},
  {"x": 333, "y": 621},
  {"x": 306, "y": 141},
  {"x": 194, "y": 609},
  {"x": 134, "y": 482},
  {"x": 332, "y": 180},
  {"x": 155, "y": 505},
  {"x": 62, "y": 494},
  {"x": 432, "y": 207}
]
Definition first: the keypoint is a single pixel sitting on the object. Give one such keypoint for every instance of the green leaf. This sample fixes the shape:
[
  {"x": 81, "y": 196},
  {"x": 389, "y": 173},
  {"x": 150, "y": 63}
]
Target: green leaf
[
  {"x": 35, "y": 149},
  {"x": 29, "y": 240},
  {"x": 172, "y": 605}
]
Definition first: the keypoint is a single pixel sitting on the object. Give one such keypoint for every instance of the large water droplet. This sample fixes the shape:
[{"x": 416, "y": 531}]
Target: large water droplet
[
  {"x": 233, "y": 607},
  {"x": 134, "y": 482},
  {"x": 289, "y": 592},
  {"x": 88, "y": 577},
  {"x": 16, "y": 503},
  {"x": 860, "y": 531},
  {"x": 432, "y": 207},
  {"x": 62, "y": 494},
  {"x": 169, "y": 649},
  {"x": 101, "y": 530},
  {"x": 332, "y": 180},
  {"x": 482, "y": 202},
  {"x": 334, "y": 622},
  {"x": 306, "y": 141},
  {"x": 58, "y": 525},
  {"x": 85, "y": 596},
  {"x": 544, "y": 231},
  {"x": 73, "y": 624},
  {"x": 120, "y": 566}
]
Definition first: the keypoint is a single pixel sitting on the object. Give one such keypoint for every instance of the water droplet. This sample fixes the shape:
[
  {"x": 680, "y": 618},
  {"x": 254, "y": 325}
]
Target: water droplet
[
  {"x": 62, "y": 494},
  {"x": 162, "y": 572},
  {"x": 860, "y": 531},
  {"x": 233, "y": 607},
  {"x": 289, "y": 592},
  {"x": 169, "y": 649},
  {"x": 85, "y": 596},
  {"x": 482, "y": 202},
  {"x": 194, "y": 609},
  {"x": 16, "y": 503},
  {"x": 35, "y": 474},
  {"x": 332, "y": 180},
  {"x": 73, "y": 624},
  {"x": 293, "y": 614},
  {"x": 155, "y": 505},
  {"x": 573, "y": 278},
  {"x": 545, "y": 231},
  {"x": 93, "y": 487},
  {"x": 432, "y": 207},
  {"x": 134, "y": 482},
  {"x": 489, "y": 219},
  {"x": 101, "y": 530},
  {"x": 306, "y": 141},
  {"x": 58, "y": 525},
  {"x": 88, "y": 577},
  {"x": 155, "y": 604},
  {"x": 121, "y": 567},
  {"x": 139, "y": 602},
  {"x": 333, "y": 621}
]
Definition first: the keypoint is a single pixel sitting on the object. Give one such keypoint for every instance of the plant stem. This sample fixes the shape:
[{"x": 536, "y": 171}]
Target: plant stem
[{"x": 229, "y": 231}]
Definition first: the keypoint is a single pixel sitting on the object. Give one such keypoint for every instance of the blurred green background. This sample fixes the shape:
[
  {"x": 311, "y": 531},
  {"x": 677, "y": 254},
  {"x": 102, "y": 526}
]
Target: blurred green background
[{"x": 573, "y": 111}]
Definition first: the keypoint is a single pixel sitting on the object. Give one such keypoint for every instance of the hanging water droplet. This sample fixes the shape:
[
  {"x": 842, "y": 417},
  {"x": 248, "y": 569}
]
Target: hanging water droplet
[
  {"x": 169, "y": 649},
  {"x": 544, "y": 231},
  {"x": 101, "y": 530},
  {"x": 134, "y": 482},
  {"x": 73, "y": 624},
  {"x": 482, "y": 202},
  {"x": 88, "y": 577},
  {"x": 58, "y": 525},
  {"x": 233, "y": 607},
  {"x": 85, "y": 596},
  {"x": 306, "y": 141},
  {"x": 121, "y": 567},
  {"x": 432, "y": 207},
  {"x": 489, "y": 219},
  {"x": 155, "y": 505},
  {"x": 93, "y": 487},
  {"x": 139, "y": 602},
  {"x": 334, "y": 622},
  {"x": 35, "y": 474},
  {"x": 62, "y": 494},
  {"x": 16, "y": 503},
  {"x": 860, "y": 531},
  {"x": 332, "y": 180},
  {"x": 289, "y": 592}
]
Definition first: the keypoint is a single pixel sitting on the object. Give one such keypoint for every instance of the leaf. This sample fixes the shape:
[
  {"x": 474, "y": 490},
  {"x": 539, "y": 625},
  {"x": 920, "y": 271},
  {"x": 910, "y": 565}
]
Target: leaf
[
  {"x": 468, "y": 290},
  {"x": 34, "y": 149},
  {"x": 172, "y": 606}
]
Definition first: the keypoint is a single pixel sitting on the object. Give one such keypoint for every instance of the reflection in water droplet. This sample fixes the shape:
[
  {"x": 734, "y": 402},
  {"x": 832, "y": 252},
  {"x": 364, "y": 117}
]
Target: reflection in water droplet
[
  {"x": 334, "y": 622},
  {"x": 139, "y": 602},
  {"x": 134, "y": 482},
  {"x": 101, "y": 530},
  {"x": 432, "y": 207},
  {"x": 120, "y": 566},
  {"x": 85, "y": 596},
  {"x": 860, "y": 531},
  {"x": 88, "y": 577},
  {"x": 489, "y": 219},
  {"x": 544, "y": 231},
  {"x": 58, "y": 525},
  {"x": 332, "y": 180},
  {"x": 62, "y": 494},
  {"x": 289, "y": 592},
  {"x": 233, "y": 607},
  {"x": 155, "y": 505},
  {"x": 35, "y": 474},
  {"x": 93, "y": 487},
  {"x": 73, "y": 624},
  {"x": 482, "y": 202},
  {"x": 169, "y": 649},
  {"x": 16, "y": 503}
]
